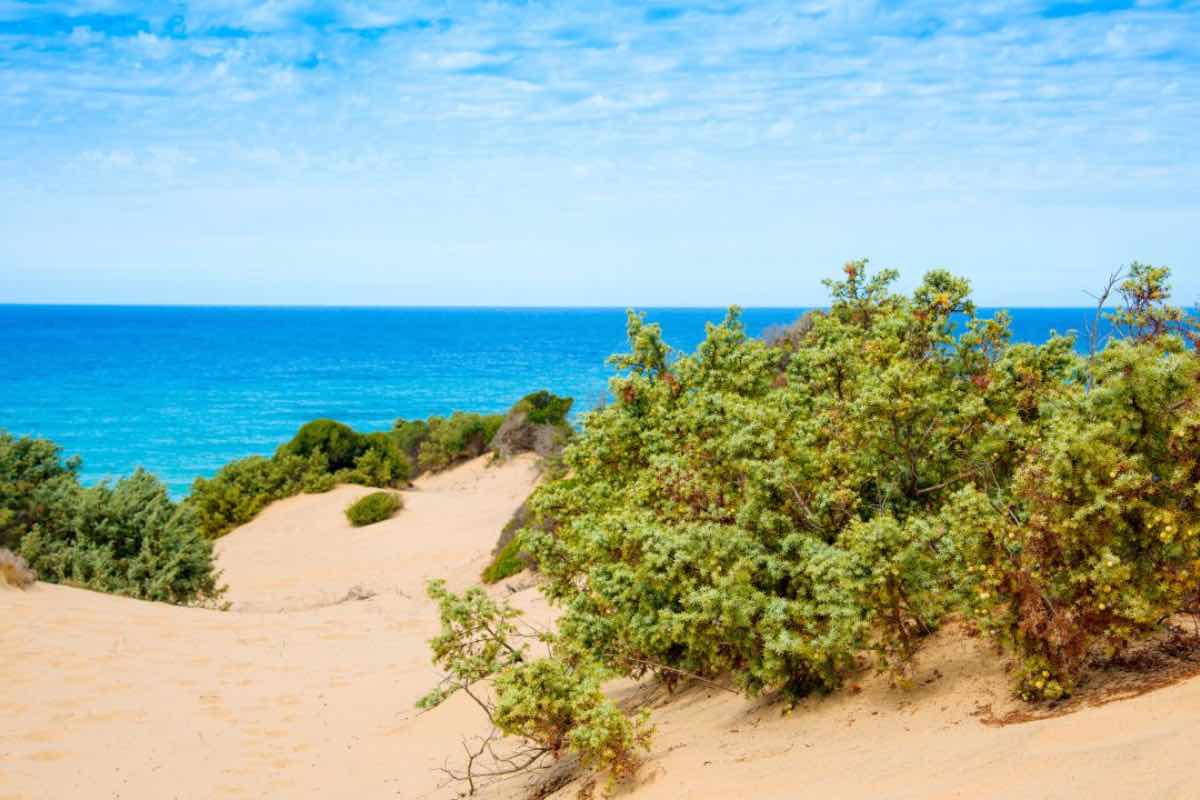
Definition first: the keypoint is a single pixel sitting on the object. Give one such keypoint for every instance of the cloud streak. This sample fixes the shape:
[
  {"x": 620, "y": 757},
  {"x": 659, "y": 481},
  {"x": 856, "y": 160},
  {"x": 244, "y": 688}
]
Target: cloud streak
[{"x": 1069, "y": 96}]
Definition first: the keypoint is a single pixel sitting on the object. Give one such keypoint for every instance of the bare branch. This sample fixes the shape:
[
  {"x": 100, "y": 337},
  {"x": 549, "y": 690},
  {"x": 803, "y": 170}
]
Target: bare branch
[{"x": 1094, "y": 329}]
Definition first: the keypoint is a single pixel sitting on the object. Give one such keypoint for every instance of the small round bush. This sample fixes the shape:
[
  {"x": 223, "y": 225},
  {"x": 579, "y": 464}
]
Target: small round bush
[
  {"x": 375, "y": 507},
  {"x": 340, "y": 443}
]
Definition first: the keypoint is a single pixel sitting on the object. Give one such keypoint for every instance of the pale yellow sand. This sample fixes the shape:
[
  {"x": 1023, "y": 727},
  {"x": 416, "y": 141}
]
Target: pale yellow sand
[
  {"x": 294, "y": 694},
  {"x": 104, "y": 697}
]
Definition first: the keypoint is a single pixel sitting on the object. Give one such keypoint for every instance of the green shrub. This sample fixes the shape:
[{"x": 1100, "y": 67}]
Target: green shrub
[
  {"x": 339, "y": 443},
  {"x": 243, "y": 488},
  {"x": 28, "y": 467},
  {"x": 380, "y": 462},
  {"x": 553, "y": 705},
  {"x": 409, "y": 435},
  {"x": 459, "y": 437},
  {"x": 767, "y": 511},
  {"x": 560, "y": 706},
  {"x": 1097, "y": 541},
  {"x": 372, "y": 508},
  {"x": 506, "y": 563},
  {"x": 544, "y": 408},
  {"x": 129, "y": 538}
]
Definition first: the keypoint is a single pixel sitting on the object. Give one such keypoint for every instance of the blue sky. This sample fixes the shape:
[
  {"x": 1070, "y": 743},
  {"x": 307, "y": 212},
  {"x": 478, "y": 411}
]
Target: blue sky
[{"x": 599, "y": 153}]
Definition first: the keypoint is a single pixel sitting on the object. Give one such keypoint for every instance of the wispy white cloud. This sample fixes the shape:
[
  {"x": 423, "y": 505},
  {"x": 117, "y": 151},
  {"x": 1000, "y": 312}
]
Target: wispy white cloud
[{"x": 1086, "y": 97}]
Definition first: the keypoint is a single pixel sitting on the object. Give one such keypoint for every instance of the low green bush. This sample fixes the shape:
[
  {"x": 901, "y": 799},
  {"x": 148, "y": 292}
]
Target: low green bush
[
  {"x": 459, "y": 437},
  {"x": 506, "y": 563},
  {"x": 561, "y": 707},
  {"x": 29, "y": 468},
  {"x": 128, "y": 538},
  {"x": 544, "y": 408},
  {"x": 372, "y": 508},
  {"x": 1097, "y": 540},
  {"x": 243, "y": 488},
  {"x": 409, "y": 435},
  {"x": 375, "y": 459},
  {"x": 337, "y": 442}
]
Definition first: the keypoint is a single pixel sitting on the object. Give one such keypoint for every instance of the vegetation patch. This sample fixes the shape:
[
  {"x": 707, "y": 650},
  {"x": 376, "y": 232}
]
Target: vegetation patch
[
  {"x": 544, "y": 408},
  {"x": 767, "y": 511},
  {"x": 457, "y": 438},
  {"x": 537, "y": 423},
  {"x": 322, "y": 454},
  {"x": 372, "y": 508},
  {"x": 551, "y": 705},
  {"x": 506, "y": 563},
  {"x": 510, "y": 556},
  {"x": 127, "y": 538},
  {"x": 1169, "y": 657}
]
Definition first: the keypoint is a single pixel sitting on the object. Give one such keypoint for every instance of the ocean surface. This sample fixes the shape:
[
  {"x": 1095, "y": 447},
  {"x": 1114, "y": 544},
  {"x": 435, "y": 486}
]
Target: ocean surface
[{"x": 183, "y": 390}]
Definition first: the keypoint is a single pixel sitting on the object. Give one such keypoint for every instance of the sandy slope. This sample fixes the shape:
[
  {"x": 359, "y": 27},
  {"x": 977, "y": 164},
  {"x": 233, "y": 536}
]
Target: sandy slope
[
  {"x": 929, "y": 742},
  {"x": 296, "y": 694},
  {"x": 107, "y": 697}
]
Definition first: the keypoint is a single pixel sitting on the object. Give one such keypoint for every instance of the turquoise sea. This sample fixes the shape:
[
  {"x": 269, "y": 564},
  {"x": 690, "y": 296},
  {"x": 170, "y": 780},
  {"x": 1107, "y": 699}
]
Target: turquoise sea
[{"x": 182, "y": 390}]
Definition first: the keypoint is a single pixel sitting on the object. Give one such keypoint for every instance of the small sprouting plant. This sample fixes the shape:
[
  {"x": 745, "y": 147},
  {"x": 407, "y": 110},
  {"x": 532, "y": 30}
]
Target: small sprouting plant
[{"x": 551, "y": 705}]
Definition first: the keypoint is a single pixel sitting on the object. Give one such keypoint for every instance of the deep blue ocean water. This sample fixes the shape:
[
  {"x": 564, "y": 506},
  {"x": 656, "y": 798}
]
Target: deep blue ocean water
[{"x": 182, "y": 390}]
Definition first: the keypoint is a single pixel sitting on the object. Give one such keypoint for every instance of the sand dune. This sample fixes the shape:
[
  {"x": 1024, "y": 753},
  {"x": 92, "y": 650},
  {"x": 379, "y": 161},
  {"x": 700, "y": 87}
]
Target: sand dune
[
  {"x": 299, "y": 692},
  {"x": 294, "y": 695}
]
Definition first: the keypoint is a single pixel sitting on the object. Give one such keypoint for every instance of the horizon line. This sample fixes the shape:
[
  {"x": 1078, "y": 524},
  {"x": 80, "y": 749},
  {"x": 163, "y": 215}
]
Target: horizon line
[{"x": 481, "y": 307}]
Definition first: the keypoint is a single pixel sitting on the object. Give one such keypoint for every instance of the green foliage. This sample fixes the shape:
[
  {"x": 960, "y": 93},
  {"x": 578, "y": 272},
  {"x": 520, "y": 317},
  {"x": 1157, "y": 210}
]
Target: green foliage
[
  {"x": 1145, "y": 315},
  {"x": 479, "y": 638},
  {"x": 459, "y": 437},
  {"x": 339, "y": 443},
  {"x": 242, "y": 488},
  {"x": 129, "y": 538},
  {"x": 768, "y": 511},
  {"x": 372, "y": 508},
  {"x": 553, "y": 704},
  {"x": 375, "y": 459},
  {"x": 544, "y": 408},
  {"x": 408, "y": 436},
  {"x": 1097, "y": 540},
  {"x": 894, "y": 575},
  {"x": 560, "y": 706},
  {"x": 29, "y": 469},
  {"x": 379, "y": 462},
  {"x": 506, "y": 563}
]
